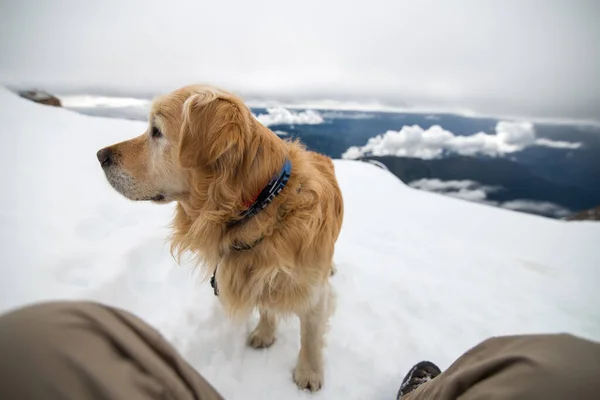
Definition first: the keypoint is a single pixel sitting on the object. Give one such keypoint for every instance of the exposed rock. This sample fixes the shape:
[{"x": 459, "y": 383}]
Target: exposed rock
[
  {"x": 41, "y": 97},
  {"x": 593, "y": 214}
]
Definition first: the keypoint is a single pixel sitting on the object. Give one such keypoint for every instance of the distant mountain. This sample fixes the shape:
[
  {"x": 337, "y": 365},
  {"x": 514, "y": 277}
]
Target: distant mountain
[
  {"x": 580, "y": 167},
  {"x": 566, "y": 177},
  {"x": 516, "y": 180}
]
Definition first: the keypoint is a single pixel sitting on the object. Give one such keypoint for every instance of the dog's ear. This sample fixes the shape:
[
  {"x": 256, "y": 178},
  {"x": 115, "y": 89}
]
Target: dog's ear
[{"x": 213, "y": 132}]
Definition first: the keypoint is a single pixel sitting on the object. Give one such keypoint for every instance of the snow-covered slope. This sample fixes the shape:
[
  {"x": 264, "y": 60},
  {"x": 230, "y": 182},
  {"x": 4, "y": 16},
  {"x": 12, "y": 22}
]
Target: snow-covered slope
[{"x": 420, "y": 276}]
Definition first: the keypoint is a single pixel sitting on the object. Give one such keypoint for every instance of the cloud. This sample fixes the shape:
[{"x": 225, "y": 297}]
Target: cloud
[
  {"x": 474, "y": 191},
  {"x": 281, "y": 133},
  {"x": 86, "y": 101},
  {"x": 437, "y": 185},
  {"x": 418, "y": 53},
  {"x": 463, "y": 189},
  {"x": 125, "y": 107},
  {"x": 477, "y": 195},
  {"x": 347, "y": 115},
  {"x": 105, "y": 106},
  {"x": 557, "y": 144},
  {"x": 283, "y": 116},
  {"x": 538, "y": 207},
  {"x": 435, "y": 142}
]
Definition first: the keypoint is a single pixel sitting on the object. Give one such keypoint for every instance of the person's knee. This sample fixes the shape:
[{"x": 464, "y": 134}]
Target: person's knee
[
  {"x": 40, "y": 317},
  {"x": 48, "y": 347},
  {"x": 528, "y": 345},
  {"x": 539, "y": 366},
  {"x": 36, "y": 330}
]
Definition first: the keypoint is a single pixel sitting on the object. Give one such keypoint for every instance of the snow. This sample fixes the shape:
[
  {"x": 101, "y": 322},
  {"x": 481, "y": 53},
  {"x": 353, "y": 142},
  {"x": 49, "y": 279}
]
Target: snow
[{"x": 420, "y": 276}]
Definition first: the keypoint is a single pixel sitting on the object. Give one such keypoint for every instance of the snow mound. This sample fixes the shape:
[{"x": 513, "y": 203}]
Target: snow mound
[{"x": 420, "y": 276}]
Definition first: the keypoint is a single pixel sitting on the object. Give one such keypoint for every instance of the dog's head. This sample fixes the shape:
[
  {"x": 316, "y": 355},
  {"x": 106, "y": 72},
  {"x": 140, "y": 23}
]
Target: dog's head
[{"x": 195, "y": 128}]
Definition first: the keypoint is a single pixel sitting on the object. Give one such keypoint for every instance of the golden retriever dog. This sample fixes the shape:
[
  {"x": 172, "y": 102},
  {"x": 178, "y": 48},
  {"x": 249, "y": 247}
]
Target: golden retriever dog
[{"x": 204, "y": 150}]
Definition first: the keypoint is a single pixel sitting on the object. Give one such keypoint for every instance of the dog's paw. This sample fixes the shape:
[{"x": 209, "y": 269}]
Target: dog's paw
[
  {"x": 260, "y": 340},
  {"x": 306, "y": 378}
]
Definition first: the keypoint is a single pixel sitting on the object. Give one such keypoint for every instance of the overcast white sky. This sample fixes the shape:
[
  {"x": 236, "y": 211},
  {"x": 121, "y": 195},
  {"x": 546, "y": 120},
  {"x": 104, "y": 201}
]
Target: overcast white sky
[{"x": 521, "y": 57}]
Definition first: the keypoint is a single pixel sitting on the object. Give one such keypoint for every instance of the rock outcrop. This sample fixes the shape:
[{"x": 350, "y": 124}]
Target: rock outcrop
[
  {"x": 41, "y": 97},
  {"x": 593, "y": 214}
]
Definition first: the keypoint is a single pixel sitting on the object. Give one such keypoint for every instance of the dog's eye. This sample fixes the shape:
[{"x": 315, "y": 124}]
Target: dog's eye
[{"x": 155, "y": 132}]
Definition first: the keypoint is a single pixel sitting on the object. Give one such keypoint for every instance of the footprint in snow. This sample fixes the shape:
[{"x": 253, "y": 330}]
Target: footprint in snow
[
  {"x": 93, "y": 228},
  {"x": 75, "y": 271},
  {"x": 148, "y": 264}
]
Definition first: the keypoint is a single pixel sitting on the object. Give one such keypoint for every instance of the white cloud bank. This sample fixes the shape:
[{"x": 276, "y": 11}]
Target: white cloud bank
[
  {"x": 543, "y": 207},
  {"x": 276, "y": 115},
  {"x": 283, "y": 116},
  {"x": 557, "y": 144},
  {"x": 464, "y": 189},
  {"x": 414, "y": 141},
  {"x": 474, "y": 191},
  {"x": 103, "y": 101}
]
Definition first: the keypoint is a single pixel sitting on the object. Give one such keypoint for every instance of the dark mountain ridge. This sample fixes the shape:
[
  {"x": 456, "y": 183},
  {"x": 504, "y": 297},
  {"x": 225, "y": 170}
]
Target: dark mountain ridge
[{"x": 516, "y": 181}]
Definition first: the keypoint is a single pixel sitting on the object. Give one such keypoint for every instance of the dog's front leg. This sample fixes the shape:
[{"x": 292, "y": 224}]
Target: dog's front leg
[
  {"x": 264, "y": 333},
  {"x": 308, "y": 373}
]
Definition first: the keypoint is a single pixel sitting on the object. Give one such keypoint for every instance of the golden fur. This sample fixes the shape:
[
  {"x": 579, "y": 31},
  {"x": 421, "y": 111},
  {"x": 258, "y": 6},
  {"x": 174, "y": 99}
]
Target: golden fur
[{"x": 212, "y": 156}]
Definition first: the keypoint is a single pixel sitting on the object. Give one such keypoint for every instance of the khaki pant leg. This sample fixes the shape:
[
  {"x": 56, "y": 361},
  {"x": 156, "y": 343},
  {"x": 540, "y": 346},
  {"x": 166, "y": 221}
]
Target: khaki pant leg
[
  {"x": 520, "y": 367},
  {"x": 82, "y": 350}
]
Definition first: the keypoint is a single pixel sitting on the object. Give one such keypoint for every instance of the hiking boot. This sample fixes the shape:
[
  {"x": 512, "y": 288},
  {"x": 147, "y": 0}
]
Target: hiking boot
[{"x": 419, "y": 374}]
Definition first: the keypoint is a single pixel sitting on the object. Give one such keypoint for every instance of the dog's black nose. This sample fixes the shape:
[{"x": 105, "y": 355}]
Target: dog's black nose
[{"x": 105, "y": 156}]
